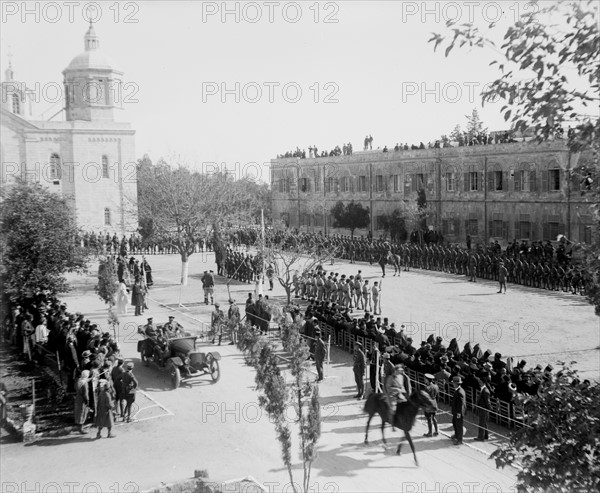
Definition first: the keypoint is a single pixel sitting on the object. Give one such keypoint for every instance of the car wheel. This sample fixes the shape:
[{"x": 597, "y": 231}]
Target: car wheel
[
  {"x": 215, "y": 370},
  {"x": 175, "y": 376}
]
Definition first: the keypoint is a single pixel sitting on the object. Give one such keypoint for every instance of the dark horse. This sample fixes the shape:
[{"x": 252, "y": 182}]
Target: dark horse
[{"x": 406, "y": 412}]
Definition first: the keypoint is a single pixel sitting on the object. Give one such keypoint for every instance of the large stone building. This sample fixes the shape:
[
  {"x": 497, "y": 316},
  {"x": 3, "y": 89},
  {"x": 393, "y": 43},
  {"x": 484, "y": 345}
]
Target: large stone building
[
  {"x": 519, "y": 190},
  {"x": 89, "y": 157}
]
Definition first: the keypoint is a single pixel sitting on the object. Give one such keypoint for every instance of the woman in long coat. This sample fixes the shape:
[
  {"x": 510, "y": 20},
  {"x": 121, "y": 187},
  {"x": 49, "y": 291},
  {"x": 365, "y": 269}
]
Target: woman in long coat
[
  {"x": 122, "y": 298},
  {"x": 106, "y": 404},
  {"x": 82, "y": 399}
]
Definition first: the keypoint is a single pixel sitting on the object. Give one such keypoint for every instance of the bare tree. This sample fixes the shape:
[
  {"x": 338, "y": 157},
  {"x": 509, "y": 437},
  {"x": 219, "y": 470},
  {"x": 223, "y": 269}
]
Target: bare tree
[
  {"x": 295, "y": 253},
  {"x": 174, "y": 200},
  {"x": 182, "y": 206}
]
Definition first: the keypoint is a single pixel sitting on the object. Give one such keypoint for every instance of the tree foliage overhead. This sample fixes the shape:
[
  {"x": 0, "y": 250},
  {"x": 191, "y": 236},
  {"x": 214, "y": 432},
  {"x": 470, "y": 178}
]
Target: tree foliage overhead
[
  {"x": 549, "y": 78},
  {"x": 549, "y": 64},
  {"x": 350, "y": 216},
  {"x": 39, "y": 242},
  {"x": 558, "y": 448}
]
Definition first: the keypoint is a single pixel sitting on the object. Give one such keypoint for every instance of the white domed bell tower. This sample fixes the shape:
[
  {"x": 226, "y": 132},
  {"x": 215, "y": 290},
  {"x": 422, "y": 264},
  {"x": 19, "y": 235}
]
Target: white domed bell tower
[{"x": 92, "y": 84}]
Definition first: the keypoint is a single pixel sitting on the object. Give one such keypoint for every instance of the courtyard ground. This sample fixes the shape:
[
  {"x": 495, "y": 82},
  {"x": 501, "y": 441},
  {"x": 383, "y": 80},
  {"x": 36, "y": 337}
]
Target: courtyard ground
[{"x": 220, "y": 428}]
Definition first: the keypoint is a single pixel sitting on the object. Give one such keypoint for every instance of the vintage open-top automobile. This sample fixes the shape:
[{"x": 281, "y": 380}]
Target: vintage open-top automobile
[{"x": 179, "y": 356}]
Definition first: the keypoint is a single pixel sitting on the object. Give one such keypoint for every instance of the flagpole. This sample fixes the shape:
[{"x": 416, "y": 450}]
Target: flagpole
[{"x": 259, "y": 288}]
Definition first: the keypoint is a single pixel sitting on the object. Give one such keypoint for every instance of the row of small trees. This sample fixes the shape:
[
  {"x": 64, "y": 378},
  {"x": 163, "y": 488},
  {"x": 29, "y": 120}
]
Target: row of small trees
[{"x": 278, "y": 395}]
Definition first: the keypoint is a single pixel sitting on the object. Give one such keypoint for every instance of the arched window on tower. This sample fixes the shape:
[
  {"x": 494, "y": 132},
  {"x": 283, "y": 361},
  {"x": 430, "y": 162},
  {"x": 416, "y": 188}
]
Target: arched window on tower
[
  {"x": 16, "y": 104},
  {"x": 55, "y": 167},
  {"x": 107, "y": 220},
  {"x": 105, "y": 166}
]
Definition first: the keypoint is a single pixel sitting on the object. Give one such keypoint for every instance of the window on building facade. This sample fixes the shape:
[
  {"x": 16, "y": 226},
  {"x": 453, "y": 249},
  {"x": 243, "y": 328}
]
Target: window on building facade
[
  {"x": 107, "y": 218},
  {"x": 16, "y": 104},
  {"x": 450, "y": 182},
  {"x": 362, "y": 183},
  {"x": 379, "y": 183},
  {"x": 317, "y": 183},
  {"x": 55, "y": 167},
  {"x": 450, "y": 226},
  {"x": 552, "y": 228},
  {"x": 523, "y": 229},
  {"x": 524, "y": 180},
  {"x": 473, "y": 181},
  {"x": 319, "y": 220},
  {"x": 397, "y": 183},
  {"x": 105, "y": 166},
  {"x": 497, "y": 228},
  {"x": 585, "y": 234},
  {"x": 379, "y": 221},
  {"x": 417, "y": 182},
  {"x": 304, "y": 185},
  {"x": 498, "y": 183},
  {"x": 284, "y": 185},
  {"x": 554, "y": 180},
  {"x": 331, "y": 185},
  {"x": 472, "y": 227},
  {"x": 346, "y": 183}
]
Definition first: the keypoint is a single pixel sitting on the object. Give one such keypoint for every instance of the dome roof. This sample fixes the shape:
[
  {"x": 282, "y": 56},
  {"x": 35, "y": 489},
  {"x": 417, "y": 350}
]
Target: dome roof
[{"x": 92, "y": 59}]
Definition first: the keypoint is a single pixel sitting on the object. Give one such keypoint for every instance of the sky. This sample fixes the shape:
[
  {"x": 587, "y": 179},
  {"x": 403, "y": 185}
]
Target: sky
[{"x": 240, "y": 82}]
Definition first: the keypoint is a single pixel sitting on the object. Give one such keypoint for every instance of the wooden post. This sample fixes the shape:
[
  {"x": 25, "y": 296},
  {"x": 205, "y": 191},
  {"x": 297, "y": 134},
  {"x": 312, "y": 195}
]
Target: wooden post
[
  {"x": 377, "y": 382},
  {"x": 59, "y": 368},
  {"x": 33, "y": 397}
]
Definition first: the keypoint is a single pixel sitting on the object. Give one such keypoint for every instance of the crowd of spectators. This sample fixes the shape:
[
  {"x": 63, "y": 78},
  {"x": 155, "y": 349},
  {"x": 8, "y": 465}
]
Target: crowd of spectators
[
  {"x": 457, "y": 139},
  {"x": 313, "y": 152},
  {"x": 508, "y": 380},
  {"x": 45, "y": 332}
]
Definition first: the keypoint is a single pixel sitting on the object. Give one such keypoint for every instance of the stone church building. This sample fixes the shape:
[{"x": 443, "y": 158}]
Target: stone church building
[{"x": 89, "y": 156}]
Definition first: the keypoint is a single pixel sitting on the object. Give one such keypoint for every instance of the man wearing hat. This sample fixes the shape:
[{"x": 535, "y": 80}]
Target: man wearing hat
[
  {"x": 433, "y": 390},
  {"x": 397, "y": 387},
  {"x": 388, "y": 367},
  {"x": 376, "y": 296},
  {"x": 358, "y": 367},
  {"x": 105, "y": 406},
  {"x": 208, "y": 283},
  {"x": 150, "y": 329},
  {"x": 172, "y": 328},
  {"x": 129, "y": 385},
  {"x": 320, "y": 352},
  {"x": 459, "y": 406},
  {"x": 233, "y": 319},
  {"x": 502, "y": 273},
  {"x": 216, "y": 323},
  {"x": 483, "y": 402},
  {"x": 366, "y": 293},
  {"x": 116, "y": 374}
]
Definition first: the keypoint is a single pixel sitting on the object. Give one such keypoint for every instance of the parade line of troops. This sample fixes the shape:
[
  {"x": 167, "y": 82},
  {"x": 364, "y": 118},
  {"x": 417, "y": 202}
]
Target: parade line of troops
[
  {"x": 105, "y": 387},
  {"x": 490, "y": 385}
]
